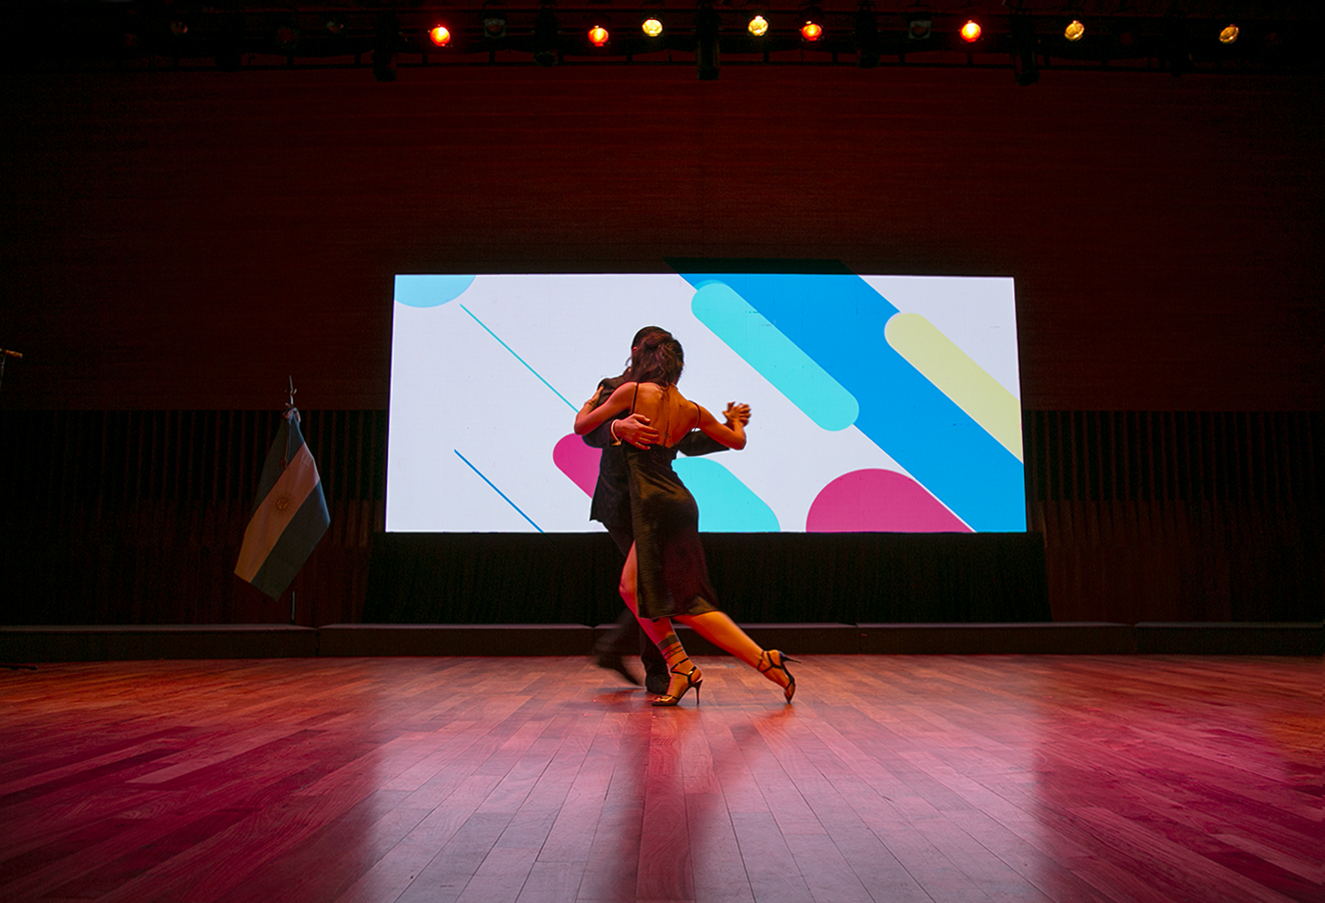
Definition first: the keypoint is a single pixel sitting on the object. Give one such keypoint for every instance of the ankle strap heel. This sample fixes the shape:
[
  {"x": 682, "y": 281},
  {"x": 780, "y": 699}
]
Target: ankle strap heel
[{"x": 767, "y": 666}]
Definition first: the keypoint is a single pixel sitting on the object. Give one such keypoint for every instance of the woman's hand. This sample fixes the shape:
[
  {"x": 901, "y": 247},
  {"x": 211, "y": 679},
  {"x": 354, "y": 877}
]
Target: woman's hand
[{"x": 736, "y": 412}]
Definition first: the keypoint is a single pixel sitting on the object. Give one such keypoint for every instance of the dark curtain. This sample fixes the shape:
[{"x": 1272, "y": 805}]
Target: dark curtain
[
  {"x": 493, "y": 578},
  {"x": 135, "y": 517}
]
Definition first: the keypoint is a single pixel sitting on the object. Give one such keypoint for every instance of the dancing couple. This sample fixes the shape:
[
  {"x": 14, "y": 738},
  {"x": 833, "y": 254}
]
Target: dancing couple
[{"x": 665, "y": 576}]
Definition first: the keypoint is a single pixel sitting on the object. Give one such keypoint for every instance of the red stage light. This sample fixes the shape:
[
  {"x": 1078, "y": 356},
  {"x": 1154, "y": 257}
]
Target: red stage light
[
  {"x": 598, "y": 36},
  {"x": 812, "y": 31},
  {"x": 971, "y": 31},
  {"x": 440, "y": 34}
]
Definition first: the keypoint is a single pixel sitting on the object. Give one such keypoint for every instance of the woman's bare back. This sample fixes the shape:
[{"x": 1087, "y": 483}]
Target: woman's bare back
[{"x": 669, "y": 412}]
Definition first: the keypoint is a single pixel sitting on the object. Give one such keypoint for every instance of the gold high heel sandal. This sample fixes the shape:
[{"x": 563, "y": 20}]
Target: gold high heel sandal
[
  {"x": 694, "y": 678},
  {"x": 767, "y": 665}
]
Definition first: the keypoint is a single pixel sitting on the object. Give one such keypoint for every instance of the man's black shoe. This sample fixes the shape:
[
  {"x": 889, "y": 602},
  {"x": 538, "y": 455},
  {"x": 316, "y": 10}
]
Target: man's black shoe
[{"x": 614, "y": 662}]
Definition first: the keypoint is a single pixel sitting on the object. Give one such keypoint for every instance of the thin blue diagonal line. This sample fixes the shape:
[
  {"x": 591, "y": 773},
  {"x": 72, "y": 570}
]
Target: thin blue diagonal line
[
  {"x": 496, "y": 490},
  {"x": 518, "y": 358}
]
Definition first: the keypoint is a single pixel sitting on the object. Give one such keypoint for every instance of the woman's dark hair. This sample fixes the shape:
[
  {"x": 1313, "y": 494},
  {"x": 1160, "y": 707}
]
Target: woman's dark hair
[
  {"x": 645, "y": 331},
  {"x": 657, "y": 358},
  {"x": 634, "y": 346}
]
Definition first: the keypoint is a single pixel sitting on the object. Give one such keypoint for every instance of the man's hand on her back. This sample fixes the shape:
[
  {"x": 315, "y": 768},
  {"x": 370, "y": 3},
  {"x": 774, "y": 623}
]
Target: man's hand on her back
[{"x": 635, "y": 429}]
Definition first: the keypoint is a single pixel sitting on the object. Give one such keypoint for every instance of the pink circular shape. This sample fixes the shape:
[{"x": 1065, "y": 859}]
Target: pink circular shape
[
  {"x": 577, "y": 461},
  {"x": 879, "y": 501}
]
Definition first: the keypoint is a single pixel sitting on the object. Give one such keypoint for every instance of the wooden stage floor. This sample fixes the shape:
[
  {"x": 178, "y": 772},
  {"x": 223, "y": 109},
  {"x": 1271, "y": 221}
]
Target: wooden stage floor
[{"x": 891, "y": 778}]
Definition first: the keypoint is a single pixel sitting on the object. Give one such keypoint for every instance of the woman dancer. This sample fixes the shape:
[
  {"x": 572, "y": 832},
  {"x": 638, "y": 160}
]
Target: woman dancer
[{"x": 665, "y": 574}]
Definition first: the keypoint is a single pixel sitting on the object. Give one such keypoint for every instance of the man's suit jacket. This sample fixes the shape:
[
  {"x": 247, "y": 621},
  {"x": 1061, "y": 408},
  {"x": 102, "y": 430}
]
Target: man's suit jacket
[{"x": 611, "y": 494}]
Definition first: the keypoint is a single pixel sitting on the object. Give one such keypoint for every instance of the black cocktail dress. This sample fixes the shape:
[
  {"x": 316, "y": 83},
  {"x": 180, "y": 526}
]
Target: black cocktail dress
[{"x": 672, "y": 576}]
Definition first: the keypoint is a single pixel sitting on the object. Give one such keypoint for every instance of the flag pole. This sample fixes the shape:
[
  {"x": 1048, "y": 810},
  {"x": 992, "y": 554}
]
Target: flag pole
[
  {"x": 289, "y": 407},
  {"x": 289, "y": 515}
]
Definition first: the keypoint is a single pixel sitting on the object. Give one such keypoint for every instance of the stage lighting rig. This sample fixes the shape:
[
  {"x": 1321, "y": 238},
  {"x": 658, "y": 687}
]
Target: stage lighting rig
[
  {"x": 546, "y": 36},
  {"x": 494, "y": 20},
  {"x": 867, "y": 36},
  {"x": 1025, "y": 66},
  {"x": 812, "y": 23},
  {"x": 1178, "y": 40},
  {"x": 386, "y": 41},
  {"x": 757, "y": 23},
  {"x": 287, "y": 36},
  {"x": 1026, "y": 37},
  {"x": 707, "y": 26},
  {"x": 229, "y": 41},
  {"x": 651, "y": 20},
  {"x": 919, "y": 20}
]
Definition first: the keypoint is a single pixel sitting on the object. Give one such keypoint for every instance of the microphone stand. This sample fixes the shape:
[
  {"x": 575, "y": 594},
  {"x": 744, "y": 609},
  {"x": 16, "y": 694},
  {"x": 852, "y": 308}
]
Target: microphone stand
[{"x": 5, "y": 354}]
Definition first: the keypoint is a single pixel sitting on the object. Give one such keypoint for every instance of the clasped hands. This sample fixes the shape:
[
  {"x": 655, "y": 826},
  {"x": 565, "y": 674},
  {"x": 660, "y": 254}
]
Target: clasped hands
[{"x": 635, "y": 429}]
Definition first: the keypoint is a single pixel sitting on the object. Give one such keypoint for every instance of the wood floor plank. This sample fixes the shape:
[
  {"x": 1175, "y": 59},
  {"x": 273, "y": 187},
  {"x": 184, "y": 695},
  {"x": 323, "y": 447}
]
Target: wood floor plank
[
  {"x": 664, "y": 853},
  {"x": 921, "y": 779}
]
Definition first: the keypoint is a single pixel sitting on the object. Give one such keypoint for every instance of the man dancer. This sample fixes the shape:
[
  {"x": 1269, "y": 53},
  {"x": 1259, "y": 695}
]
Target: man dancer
[{"x": 611, "y": 507}]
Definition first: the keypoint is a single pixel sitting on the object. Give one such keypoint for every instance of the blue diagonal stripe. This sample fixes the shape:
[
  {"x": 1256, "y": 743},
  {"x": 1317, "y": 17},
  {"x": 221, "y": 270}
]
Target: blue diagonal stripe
[
  {"x": 518, "y": 358},
  {"x": 839, "y": 322},
  {"x": 498, "y": 491}
]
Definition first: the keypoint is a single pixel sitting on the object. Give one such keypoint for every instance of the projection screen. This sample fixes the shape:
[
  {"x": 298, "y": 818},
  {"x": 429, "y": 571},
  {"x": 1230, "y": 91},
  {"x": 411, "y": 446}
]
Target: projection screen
[{"x": 879, "y": 403}]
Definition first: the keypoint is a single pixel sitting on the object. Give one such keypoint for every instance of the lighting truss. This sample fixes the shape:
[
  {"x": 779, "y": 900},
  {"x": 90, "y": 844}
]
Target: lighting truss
[{"x": 132, "y": 36}]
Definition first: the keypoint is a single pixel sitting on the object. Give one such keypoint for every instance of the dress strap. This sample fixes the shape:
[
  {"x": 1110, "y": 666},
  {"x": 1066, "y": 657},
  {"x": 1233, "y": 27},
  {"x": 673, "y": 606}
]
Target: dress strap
[{"x": 633, "y": 397}]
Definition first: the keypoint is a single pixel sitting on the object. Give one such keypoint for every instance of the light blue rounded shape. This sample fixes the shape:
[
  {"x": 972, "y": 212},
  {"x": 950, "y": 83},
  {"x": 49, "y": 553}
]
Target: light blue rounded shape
[
  {"x": 430, "y": 291},
  {"x": 774, "y": 356},
  {"x": 841, "y": 322},
  {"x": 726, "y": 505}
]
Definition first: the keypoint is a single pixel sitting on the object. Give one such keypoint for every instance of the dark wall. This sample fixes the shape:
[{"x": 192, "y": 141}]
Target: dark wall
[
  {"x": 187, "y": 240},
  {"x": 181, "y": 242}
]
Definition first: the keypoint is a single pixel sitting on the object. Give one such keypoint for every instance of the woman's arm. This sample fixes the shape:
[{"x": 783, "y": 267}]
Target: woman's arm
[
  {"x": 731, "y": 435},
  {"x": 590, "y": 417}
]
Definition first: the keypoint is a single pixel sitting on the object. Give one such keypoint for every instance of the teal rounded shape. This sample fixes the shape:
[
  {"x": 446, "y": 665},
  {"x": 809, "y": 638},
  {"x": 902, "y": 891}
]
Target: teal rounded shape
[
  {"x": 726, "y": 505},
  {"x": 775, "y": 357},
  {"x": 430, "y": 291}
]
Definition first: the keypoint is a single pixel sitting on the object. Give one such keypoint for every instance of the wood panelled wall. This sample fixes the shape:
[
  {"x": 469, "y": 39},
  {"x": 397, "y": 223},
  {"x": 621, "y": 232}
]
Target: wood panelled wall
[
  {"x": 188, "y": 240},
  {"x": 178, "y": 244},
  {"x": 137, "y": 517}
]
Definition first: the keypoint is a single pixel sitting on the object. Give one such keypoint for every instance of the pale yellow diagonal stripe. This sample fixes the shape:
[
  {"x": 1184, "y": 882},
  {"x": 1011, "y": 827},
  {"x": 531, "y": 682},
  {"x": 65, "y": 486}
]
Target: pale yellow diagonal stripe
[
  {"x": 276, "y": 511},
  {"x": 957, "y": 376}
]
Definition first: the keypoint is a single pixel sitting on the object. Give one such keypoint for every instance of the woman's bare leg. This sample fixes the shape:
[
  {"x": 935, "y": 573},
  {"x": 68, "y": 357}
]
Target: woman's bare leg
[
  {"x": 722, "y": 631},
  {"x": 660, "y": 631},
  {"x": 714, "y": 626}
]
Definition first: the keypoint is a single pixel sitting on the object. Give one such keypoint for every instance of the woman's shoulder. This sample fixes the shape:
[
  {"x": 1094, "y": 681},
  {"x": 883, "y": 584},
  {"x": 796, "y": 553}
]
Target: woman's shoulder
[{"x": 651, "y": 390}]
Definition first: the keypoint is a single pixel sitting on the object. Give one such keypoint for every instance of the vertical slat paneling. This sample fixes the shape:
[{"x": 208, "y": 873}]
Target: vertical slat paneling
[
  {"x": 137, "y": 516},
  {"x": 1178, "y": 515}
]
